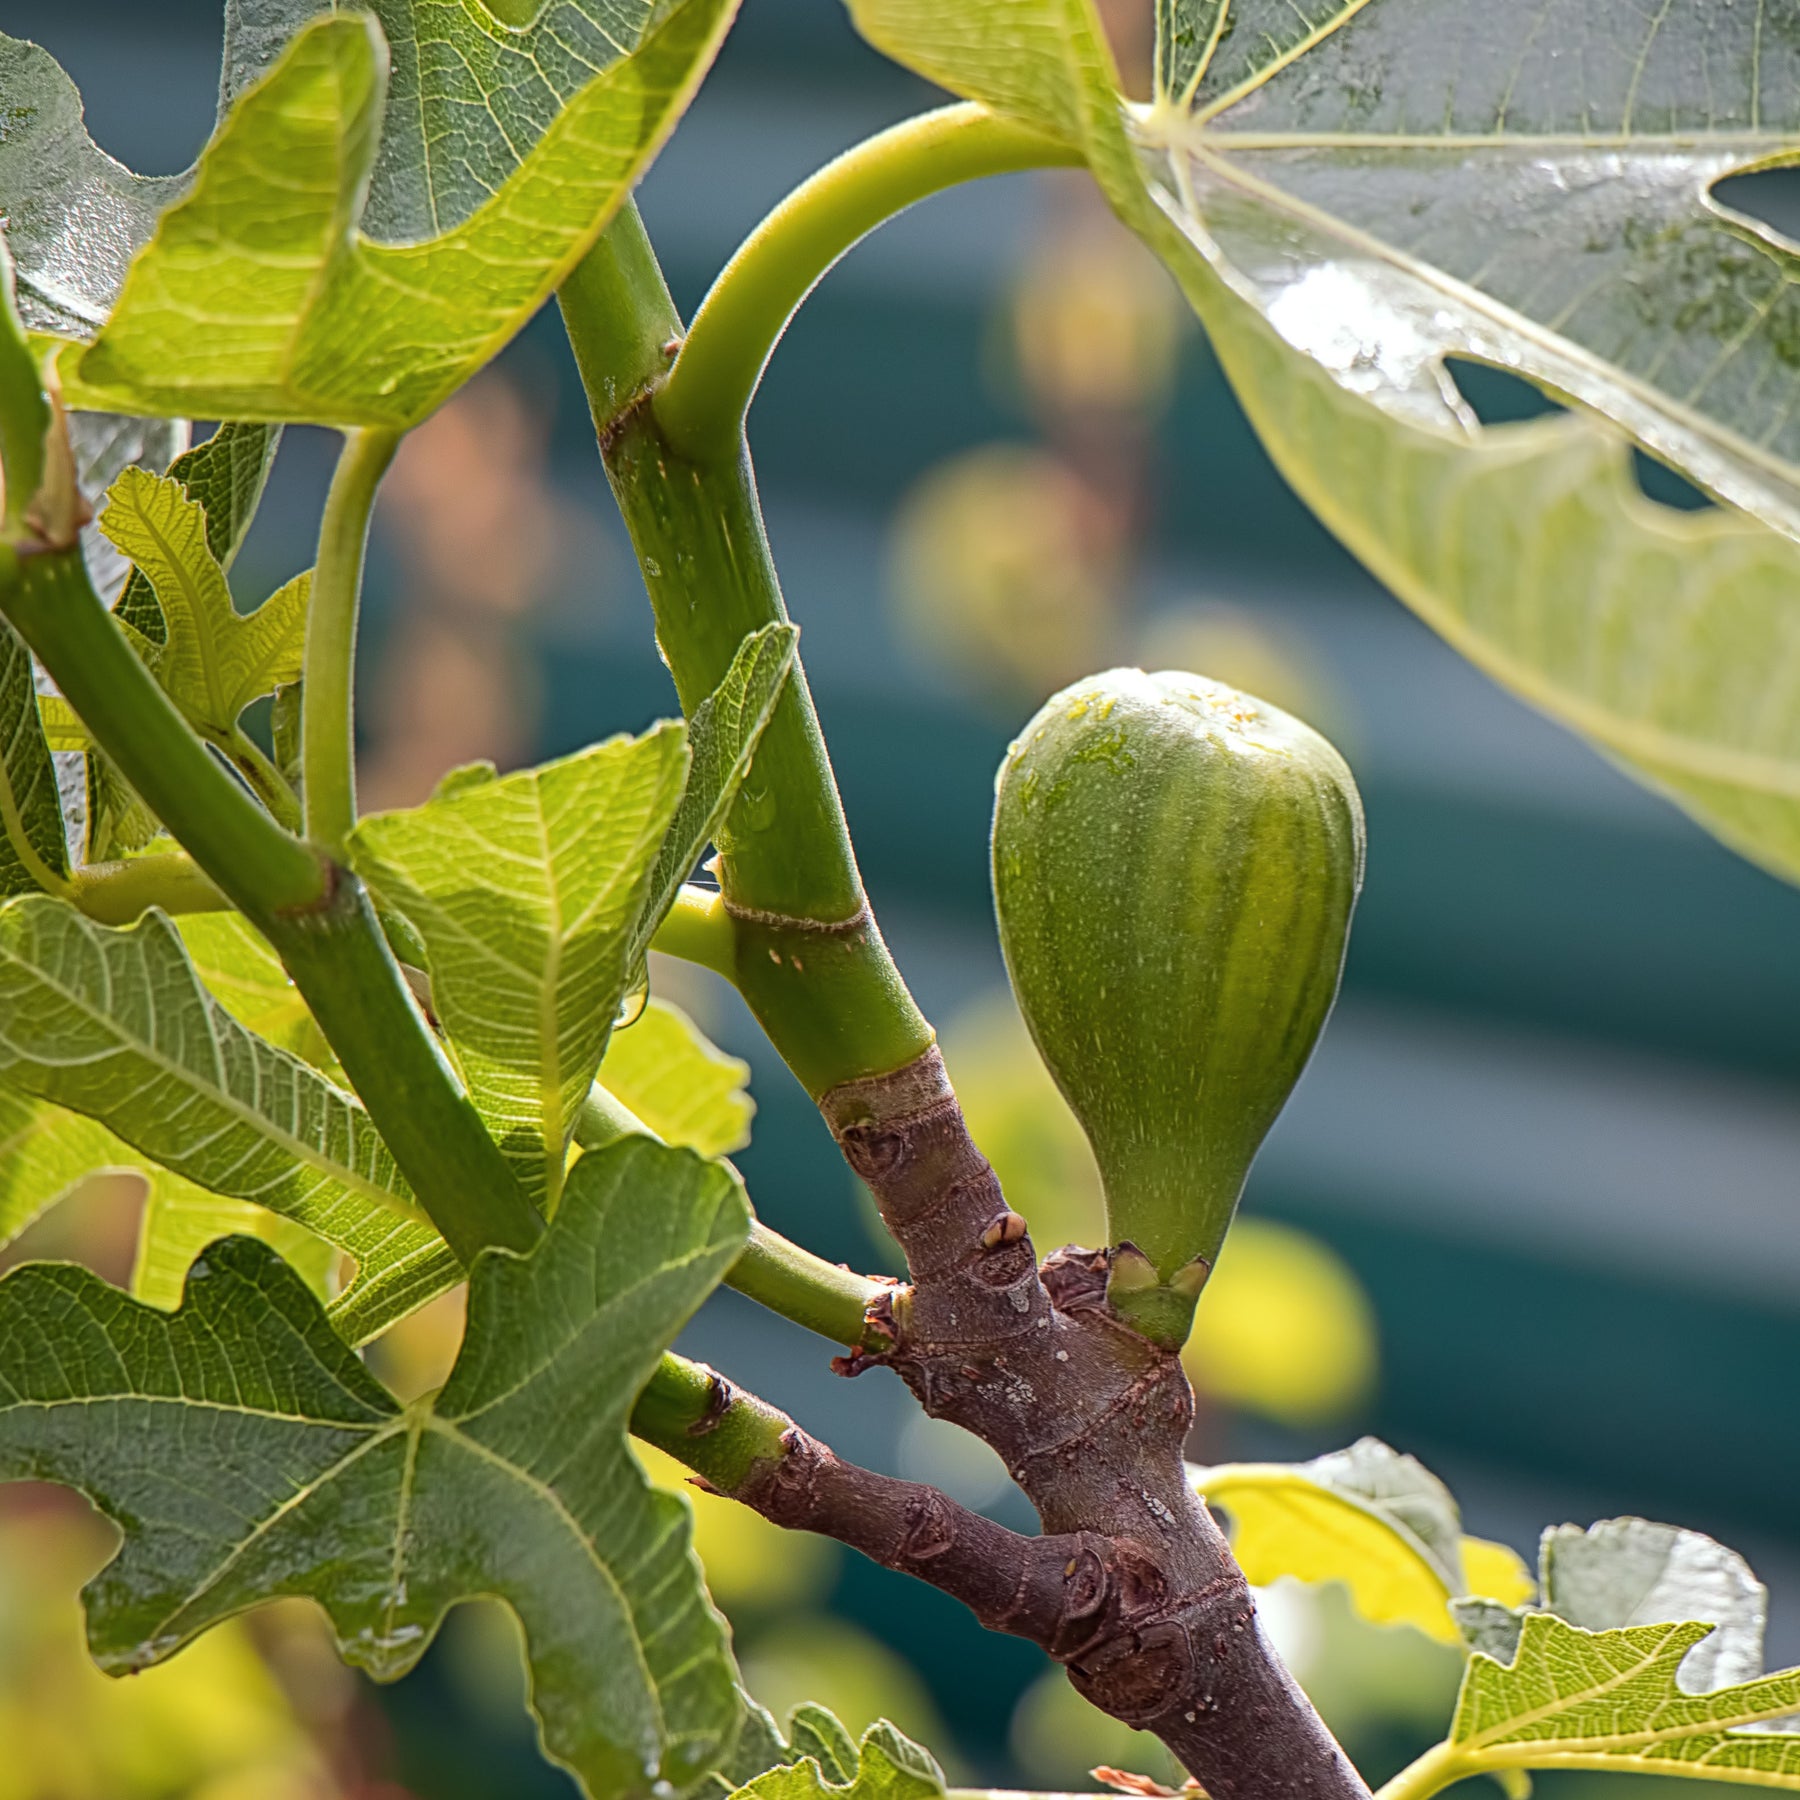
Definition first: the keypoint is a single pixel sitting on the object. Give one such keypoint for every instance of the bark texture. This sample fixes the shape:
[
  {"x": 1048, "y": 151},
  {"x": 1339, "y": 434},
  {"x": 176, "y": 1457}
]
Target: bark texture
[{"x": 1132, "y": 1586}]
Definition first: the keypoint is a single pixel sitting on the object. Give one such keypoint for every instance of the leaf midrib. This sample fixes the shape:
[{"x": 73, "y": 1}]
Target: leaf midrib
[{"x": 224, "y": 1098}]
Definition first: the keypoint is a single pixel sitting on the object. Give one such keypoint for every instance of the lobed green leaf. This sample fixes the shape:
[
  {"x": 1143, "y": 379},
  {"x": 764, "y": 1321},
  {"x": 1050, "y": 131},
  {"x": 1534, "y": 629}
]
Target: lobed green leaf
[
  {"x": 246, "y": 1453},
  {"x": 258, "y": 297}
]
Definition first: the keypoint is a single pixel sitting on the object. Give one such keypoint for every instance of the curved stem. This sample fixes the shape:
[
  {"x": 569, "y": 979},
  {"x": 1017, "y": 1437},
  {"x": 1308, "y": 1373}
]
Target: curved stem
[
  {"x": 1440, "y": 1767},
  {"x": 328, "y": 696},
  {"x": 698, "y": 930},
  {"x": 266, "y": 781},
  {"x": 701, "y": 406},
  {"x": 53, "y": 607},
  {"x": 115, "y": 893}
]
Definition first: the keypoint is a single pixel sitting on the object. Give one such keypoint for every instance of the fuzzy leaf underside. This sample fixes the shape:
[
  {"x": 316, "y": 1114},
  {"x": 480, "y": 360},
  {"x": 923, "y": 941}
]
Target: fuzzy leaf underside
[
  {"x": 527, "y": 890},
  {"x": 116, "y": 1024},
  {"x": 247, "y": 1454},
  {"x": 1371, "y": 1518},
  {"x": 224, "y": 475},
  {"x": 258, "y": 297}
]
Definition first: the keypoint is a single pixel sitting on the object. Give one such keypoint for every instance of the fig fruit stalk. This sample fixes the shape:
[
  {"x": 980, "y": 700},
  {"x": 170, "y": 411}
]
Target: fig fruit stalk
[{"x": 1175, "y": 868}]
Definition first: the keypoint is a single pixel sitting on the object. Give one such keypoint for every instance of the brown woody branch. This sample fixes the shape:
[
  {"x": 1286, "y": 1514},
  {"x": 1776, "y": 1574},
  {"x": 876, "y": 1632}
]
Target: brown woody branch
[{"x": 1133, "y": 1588}]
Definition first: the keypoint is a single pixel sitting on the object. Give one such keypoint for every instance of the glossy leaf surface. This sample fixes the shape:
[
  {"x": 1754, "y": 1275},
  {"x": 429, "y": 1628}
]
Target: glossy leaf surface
[{"x": 246, "y": 1453}]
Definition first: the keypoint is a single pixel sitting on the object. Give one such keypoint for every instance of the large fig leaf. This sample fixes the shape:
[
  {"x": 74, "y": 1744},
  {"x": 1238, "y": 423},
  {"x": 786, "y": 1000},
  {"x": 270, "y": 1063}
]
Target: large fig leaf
[
  {"x": 1573, "y": 1699},
  {"x": 526, "y": 890},
  {"x": 259, "y": 297},
  {"x": 830, "y": 1765},
  {"x": 1351, "y": 193},
  {"x": 44, "y": 1153},
  {"x": 246, "y": 1453}
]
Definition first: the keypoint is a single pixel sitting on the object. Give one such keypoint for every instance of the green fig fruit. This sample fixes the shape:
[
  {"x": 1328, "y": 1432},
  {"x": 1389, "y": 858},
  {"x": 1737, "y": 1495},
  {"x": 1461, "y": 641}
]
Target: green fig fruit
[{"x": 1175, "y": 866}]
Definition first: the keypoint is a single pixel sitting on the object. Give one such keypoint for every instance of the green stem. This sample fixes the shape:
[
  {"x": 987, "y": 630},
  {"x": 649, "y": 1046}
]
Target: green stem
[
  {"x": 328, "y": 693},
  {"x": 717, "y": 1430},
  {"x": 115, "y": 893},
  {"x": 259, "y": 867},
  {"x": 701, "y": 406},
  {"x": 786, "y": 870},
  {"x": 1440, "y": 1767},
  {"x": 341, "y": 963},
  {"x": 266, "y": 781},
  {"x": 773, "y": 1271},
  {"x": 698, "y": 929},
  {"x": 824, "y": 1297},
  {"x": 315, "y": 914}
]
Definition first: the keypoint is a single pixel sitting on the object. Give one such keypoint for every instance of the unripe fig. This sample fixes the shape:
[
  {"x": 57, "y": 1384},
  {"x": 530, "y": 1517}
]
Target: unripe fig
[{"x": 1175, "y": 866}]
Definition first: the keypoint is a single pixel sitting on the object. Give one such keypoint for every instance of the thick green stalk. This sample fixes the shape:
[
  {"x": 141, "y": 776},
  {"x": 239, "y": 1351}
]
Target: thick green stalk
[
  {"x": 328, "y": 697},
  {"x": 806, "y": 953},
  {"x": 1439, "y": 1768},
  {"x": 341, "y": 963},
  {"x": 265, "y": 780},
  {"x": 701, "y": 407},
  {"x": 315, "y": 914}
]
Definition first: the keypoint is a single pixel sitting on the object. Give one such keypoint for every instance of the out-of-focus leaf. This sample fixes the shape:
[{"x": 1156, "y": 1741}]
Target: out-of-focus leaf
[
  {"x": 224, "y": 476},
  {"x": 245, "y": 1452},
  {"x": 243, "y": 973},
  {"x": 527, "y": 890},
  {"x": 258, "y": 297},
  {"x": 722, "y": 738},
  {"x": 44, "y": 1153},
  {"x": 884, "y": 1766},
  {"x": 179, "y": 1221},
  {"x": 214, "y": 660},
  {"x": 681, "y": 1086},
  {"x": 1378, "y": 1521}
]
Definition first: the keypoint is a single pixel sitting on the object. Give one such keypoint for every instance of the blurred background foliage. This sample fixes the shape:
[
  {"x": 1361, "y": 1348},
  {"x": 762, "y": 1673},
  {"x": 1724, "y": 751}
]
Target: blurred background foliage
[{"x": 1531, "y": 1215}]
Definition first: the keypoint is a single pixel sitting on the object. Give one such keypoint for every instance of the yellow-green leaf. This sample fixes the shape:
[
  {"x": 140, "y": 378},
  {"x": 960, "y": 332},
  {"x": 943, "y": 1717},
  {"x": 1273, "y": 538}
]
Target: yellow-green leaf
[
  {"x": 684, "y": 1088},
  {"x": 258, "y": 297},
  {"x": 215, "y": 660},
  {"x": 1368, "y": 1517}
]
